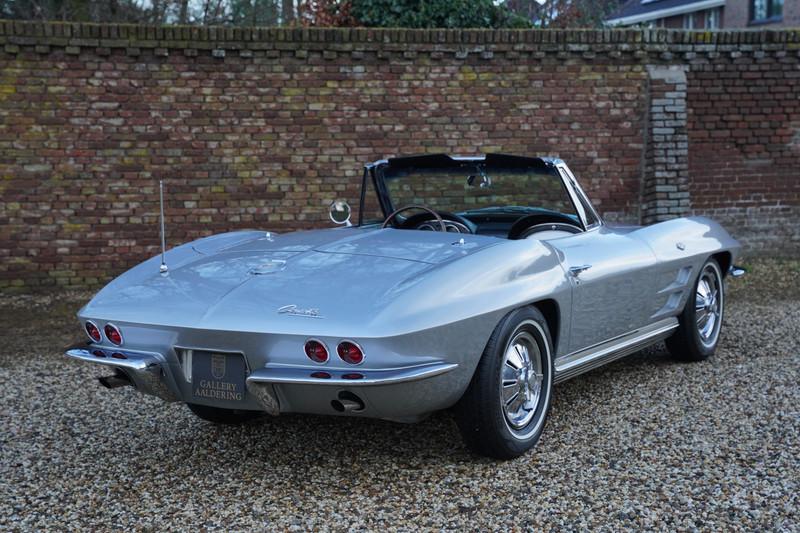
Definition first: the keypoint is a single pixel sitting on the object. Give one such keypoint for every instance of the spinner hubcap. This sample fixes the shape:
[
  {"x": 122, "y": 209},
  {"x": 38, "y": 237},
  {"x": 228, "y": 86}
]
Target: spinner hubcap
[
  {"x": 521, "y": 380},
  {"x": 708, "y": 305}
]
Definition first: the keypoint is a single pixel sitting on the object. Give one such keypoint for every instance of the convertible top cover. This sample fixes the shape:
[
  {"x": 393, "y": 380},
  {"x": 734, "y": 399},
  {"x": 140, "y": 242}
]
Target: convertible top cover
[{"x": 444, "y": 160}]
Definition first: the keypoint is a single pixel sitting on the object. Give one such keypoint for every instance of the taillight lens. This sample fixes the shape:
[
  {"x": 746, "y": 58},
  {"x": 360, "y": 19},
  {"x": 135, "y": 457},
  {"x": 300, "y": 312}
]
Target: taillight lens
[
  {"x": 92, "y": 331},
  {"x": 350, "y": 352},
  {"x": 113, "y": 334},
  {"x": 316, "y": 351}
]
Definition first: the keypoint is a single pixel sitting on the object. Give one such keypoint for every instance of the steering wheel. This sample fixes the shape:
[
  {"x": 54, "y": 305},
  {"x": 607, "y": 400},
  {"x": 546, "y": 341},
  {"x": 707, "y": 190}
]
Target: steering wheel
[
  {"x": 423, "y": 221},
  {"x": 530, "y": 224},
  {"x": 406, "y": 208},
  {"x": 550, "y": 226}
]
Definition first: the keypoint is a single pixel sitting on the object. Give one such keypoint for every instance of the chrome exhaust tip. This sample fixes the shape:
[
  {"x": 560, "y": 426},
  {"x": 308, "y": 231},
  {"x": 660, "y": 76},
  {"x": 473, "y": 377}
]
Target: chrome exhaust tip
[
  {"x": 120, "y": 379},
  {"x": 736, "y": 271},
  {"x": 347, "y": 402}
]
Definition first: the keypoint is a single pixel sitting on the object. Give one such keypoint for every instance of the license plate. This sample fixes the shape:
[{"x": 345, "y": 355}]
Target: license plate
[{"x": 218, "y": 377}]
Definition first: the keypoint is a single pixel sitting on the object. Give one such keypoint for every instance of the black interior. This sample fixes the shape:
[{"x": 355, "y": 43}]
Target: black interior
[
  {"x": 501, "y": 224},
  {"x": 414, "y": 221}
]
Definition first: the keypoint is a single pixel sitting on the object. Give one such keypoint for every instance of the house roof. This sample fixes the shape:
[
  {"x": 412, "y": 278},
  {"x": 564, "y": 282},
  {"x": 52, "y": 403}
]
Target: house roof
[{"x": 636, "y": 11}]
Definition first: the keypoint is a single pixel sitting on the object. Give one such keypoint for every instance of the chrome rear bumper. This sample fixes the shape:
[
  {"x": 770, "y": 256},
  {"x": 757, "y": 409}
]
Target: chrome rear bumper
[
  {"x": 262, "y": 383},
  {"x": 280, "y": 388},
  {"x": 145, "y": 370},
  {"x": 347, "y": 378}
]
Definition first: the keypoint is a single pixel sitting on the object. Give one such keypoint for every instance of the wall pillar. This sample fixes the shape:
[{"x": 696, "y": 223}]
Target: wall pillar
[{"x": 665, "y": 169}]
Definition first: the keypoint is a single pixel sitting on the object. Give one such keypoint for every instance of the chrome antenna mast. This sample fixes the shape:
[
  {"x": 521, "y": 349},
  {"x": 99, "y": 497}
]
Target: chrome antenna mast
[{"x": 163, "y": 268}]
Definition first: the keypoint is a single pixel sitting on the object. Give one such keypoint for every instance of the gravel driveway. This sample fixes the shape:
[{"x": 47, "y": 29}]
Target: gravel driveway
[{"x": 642, "y": 443}]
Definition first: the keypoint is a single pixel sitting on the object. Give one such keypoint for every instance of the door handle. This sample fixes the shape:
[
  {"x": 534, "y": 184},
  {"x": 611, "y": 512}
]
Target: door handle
[{"x": 576, "y": 270}]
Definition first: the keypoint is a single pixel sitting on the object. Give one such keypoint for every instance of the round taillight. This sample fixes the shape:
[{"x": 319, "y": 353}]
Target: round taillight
[
  {"x": 316, "y": 351},
  {"x": 350, "y": 352},
  {"x": 92, "y": 331},
  {"x": 113, "y": 334}
]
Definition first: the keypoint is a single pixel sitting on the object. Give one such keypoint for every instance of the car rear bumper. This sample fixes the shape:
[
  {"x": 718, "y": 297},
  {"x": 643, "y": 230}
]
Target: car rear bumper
[
  {"x": 402, "y": 393},
  {"x": 146, "y": 371}
]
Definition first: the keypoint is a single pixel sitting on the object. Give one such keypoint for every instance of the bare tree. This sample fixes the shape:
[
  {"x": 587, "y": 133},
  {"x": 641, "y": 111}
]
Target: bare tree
[
  {"x": 287, "y": 11},
  {"x": 564, "y": 13},
  {"x": 77, "y": 10},
  {"x": 183, "y": 14}
]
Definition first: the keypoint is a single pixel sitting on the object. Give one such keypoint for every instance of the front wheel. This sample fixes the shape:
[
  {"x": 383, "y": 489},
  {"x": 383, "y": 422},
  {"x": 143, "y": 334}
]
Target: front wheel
[
  {"x": 503, "y": 412},
  {"x": 218, "y": 415},
  {"x": 700, "y": 322}
]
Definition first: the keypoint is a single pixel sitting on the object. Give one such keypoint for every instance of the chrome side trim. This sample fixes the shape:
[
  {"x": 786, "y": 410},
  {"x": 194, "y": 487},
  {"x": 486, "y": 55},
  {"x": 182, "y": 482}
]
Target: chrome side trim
[
  {"x": 306, "y": 376},
  {"x": 582, "y": 361}
]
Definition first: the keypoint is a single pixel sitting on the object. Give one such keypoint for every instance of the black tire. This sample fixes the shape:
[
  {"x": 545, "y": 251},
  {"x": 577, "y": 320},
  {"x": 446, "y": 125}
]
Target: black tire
[
  {"x": 218, "y": 415},
  {"x": 694, "y": 340},
  {"x": 482, "y": 416}
]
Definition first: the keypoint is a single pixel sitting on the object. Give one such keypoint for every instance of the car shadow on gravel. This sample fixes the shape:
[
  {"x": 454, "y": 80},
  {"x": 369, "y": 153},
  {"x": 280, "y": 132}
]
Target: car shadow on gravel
[{"x": 294, "y": 439}]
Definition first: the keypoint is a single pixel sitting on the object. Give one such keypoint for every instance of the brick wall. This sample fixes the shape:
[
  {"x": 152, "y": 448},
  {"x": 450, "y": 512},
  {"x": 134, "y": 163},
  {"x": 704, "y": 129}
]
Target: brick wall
[
  {"x": 744, "y": 139},
  {"x": 263, "y": 127}
]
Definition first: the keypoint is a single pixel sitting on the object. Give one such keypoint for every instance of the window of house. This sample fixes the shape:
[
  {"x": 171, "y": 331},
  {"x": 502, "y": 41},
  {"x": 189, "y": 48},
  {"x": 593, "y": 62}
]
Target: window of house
[
  {"x": 688, "y": 21},
  {"x": 712, "y": 19},
  {"x": 766, "y": 10}
]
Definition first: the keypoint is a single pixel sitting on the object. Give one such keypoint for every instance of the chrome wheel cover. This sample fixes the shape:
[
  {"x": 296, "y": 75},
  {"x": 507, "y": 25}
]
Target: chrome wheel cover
[
  {"x": 708, "y": 305},
  {"x": 521, "y": 380}
]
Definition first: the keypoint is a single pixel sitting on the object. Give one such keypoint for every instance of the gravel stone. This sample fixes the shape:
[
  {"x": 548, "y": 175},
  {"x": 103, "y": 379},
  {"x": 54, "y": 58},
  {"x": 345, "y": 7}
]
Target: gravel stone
[{"x": 645, "y": 443}]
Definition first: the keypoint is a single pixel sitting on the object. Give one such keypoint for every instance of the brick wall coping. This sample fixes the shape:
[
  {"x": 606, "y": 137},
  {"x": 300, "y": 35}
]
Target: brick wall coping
[{"x": 21, "y": 33}]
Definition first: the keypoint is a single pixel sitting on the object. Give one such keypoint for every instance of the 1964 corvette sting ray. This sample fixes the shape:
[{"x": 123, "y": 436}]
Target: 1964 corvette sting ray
[{"x": 475, "y": 283}]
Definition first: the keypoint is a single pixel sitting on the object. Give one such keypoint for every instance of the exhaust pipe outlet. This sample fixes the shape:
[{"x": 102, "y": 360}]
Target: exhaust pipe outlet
[
  {"x": 119, "y": 379},
  {"x": 348, "y": 403}
]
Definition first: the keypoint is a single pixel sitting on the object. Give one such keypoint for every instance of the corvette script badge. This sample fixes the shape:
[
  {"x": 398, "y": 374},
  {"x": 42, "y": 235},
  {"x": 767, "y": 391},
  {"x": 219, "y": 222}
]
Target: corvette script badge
[{"x": 297, "y": 311}]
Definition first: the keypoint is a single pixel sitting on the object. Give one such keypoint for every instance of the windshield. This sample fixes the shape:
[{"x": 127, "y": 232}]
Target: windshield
[{"x": 473, "y": 187}]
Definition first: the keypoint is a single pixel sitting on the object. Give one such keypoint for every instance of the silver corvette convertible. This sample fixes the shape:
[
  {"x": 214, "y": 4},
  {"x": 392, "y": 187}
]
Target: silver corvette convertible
[{"x": 472, "y": 283}]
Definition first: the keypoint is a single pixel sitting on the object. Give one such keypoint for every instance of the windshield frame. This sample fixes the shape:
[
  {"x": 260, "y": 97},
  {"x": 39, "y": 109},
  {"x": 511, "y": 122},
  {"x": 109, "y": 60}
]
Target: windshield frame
[{"x": 552, "y": 166}]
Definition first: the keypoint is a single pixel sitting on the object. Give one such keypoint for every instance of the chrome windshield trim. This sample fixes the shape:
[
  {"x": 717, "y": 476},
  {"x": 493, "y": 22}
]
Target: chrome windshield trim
[{"x": 579, "y": 197}]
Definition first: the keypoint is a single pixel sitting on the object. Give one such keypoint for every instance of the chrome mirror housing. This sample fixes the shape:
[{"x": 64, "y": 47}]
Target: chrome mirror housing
[{"x": 339, "y": 212}]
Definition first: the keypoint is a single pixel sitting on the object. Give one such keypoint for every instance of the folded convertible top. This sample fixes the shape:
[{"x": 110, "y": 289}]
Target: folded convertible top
[{"x": 444, "y": 160}]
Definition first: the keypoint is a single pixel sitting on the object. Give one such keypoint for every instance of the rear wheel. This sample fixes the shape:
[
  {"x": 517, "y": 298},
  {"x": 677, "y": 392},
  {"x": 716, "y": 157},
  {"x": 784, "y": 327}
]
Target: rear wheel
[
  {"x": 502, "y": 413},
  {"x": 219, "y": 415},
  {"x": 697, "y": 335}
]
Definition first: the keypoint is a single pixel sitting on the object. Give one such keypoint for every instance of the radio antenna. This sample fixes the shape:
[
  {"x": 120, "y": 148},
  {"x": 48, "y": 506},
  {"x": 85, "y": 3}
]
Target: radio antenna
[{"x": 163, "y": 268}]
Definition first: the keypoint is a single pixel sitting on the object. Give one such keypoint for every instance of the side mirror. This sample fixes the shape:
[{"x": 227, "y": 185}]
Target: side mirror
[{"x": 339, "y": 212}]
